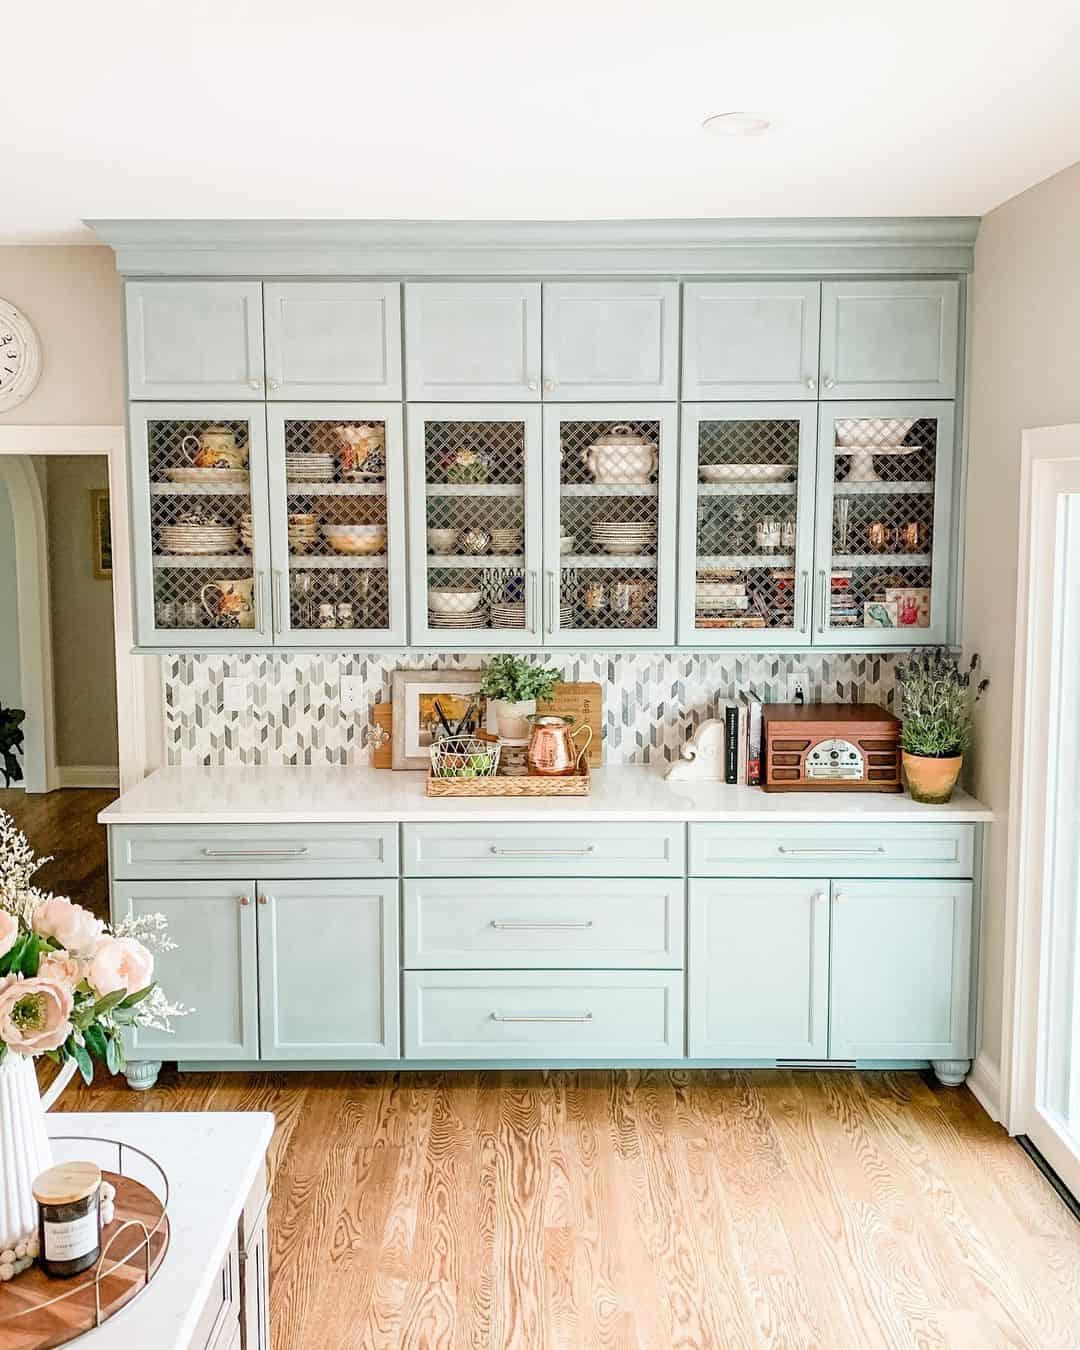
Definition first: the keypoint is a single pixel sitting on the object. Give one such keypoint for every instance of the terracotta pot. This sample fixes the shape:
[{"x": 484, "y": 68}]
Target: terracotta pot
[{"x": 931, "y": 780}]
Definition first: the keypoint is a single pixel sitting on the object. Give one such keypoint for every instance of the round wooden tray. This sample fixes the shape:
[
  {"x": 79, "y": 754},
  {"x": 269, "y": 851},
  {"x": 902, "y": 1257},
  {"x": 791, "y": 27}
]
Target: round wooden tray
[{"x": 37, "y": 1312}]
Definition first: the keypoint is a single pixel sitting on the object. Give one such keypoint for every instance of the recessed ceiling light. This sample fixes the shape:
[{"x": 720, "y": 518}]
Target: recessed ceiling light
[{"x": 737, "y": 124}]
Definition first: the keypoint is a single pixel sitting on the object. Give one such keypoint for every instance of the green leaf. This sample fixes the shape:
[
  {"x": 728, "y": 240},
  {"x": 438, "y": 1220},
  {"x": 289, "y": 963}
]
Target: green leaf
[
  {"x": 83, "y": 1060},
  {"x": 138, "y": 996},
  {"x": 114, "y": 1055},
  {"x": 95, "y": 1042},
  {"x": 31, "y": 955},
  {"x": 109, "y": 1002}
]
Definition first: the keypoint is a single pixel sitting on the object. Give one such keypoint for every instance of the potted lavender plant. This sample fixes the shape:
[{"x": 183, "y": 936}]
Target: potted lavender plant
[{"x": 937, "y": 703}]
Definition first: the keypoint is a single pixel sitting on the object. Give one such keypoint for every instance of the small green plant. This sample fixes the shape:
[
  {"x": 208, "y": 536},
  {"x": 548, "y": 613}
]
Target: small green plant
[
  {"x": 937, "y": 703},
  {"x": 11, "y": 743},
  {"x": 514, "y": 680}
]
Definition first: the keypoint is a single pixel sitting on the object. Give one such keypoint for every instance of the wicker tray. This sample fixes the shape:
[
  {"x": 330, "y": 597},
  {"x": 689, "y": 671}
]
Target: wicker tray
[{"x": 534, "y": 785}]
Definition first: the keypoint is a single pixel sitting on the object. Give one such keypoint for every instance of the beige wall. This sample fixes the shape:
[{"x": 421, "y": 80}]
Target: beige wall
[
  {"x": 1025, "y": 373},
  {"x": 84, "y": 669},
  {"x": 72, "y": 297}
]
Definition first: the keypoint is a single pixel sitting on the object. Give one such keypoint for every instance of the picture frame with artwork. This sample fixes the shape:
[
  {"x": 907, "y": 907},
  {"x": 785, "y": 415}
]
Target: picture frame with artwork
[
  {"x": 912, "y": 605},
  {"x": 101, "y": 534},
  {"x": 415, "y": 721},
  {"x": 879, "y": 614}
]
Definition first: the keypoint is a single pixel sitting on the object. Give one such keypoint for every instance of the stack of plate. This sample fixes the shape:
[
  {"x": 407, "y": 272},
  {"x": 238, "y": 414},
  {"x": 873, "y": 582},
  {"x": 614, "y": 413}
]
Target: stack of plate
[
  {"x": 303, "y": 533},
  {"x": 317, "y": 467},
  {"x": 745, "y": 473},
  {"x": 623, "y": 537},
  {"x": 508, "y": 614},
  {"x": 207, "y": 477},
  {"x": 199, "y": 538},
  {"x": 477, "y": 619},
  {"x": 507, "y": 541},
  {"x": 246, "y": 537}
]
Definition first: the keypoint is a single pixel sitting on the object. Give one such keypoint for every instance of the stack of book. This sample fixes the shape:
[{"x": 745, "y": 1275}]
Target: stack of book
[
  {"x": 844, "y": 609},
  {"x": 721, "y": 601},
  {"x": 742, "y": 741}
]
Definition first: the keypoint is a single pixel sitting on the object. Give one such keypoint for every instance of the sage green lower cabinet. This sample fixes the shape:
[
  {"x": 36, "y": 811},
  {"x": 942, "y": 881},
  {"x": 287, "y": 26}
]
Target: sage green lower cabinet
[
  {"x": 543, "y": 1015},
  {"x": 303, "y": 926},
  {"x": 901, "y": 970},
  {"x": 758, "y": 974},
  {"x": 212, "y": 969}
]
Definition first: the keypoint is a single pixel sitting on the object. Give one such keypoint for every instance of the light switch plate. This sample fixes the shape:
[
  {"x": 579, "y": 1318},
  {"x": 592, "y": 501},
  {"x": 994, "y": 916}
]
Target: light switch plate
[
  {"x": 233, "y": 694},
  {"x": 350, "y": 692}
]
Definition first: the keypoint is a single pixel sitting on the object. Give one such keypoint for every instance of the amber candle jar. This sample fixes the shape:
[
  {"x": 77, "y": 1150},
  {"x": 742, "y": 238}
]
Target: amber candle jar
[{"x": 69, "y": 1218}]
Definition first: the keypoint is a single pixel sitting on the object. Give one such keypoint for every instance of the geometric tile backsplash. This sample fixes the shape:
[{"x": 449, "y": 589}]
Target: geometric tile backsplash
[{"x": 652, "y": 702}]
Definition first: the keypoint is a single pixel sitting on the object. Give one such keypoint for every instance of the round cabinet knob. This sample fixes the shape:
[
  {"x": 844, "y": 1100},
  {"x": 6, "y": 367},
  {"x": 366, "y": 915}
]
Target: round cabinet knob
[
  {"x": 830, "y": 383},
  {"x": 255, "y": 384},
  {"x": 821, "y": 897},
  {"x": 262, "y": 899},
  {"x": 549, "y": 385},
  {"x": 811, "y": 383},
  {"x": 272, "y": 383},
  {"x": 533, "y": 385},
  {"x": 245, "y": 899}
]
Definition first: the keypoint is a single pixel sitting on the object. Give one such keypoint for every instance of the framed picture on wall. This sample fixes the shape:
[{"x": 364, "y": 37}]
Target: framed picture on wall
[
  {"x": 101, "y": 533},
  {"x": 416, "y": 719}
]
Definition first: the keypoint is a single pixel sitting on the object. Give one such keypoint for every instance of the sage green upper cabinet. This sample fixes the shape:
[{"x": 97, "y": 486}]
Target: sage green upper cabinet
[
  {"x": 333, "y": 340},
  {"x": 750, "y": 339},
  {"x": 889, "y": 339},
  {"x": 610, "y": 340},
  {"x": 195, "y": 339},
  {"x": 472, "y": 340}
]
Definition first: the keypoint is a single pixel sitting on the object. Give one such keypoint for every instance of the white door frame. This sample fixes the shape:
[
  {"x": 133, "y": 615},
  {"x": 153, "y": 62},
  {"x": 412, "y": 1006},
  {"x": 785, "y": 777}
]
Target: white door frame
[
  {"x": 138, "y": 678},
  {"x": 1044, "y": 451}
]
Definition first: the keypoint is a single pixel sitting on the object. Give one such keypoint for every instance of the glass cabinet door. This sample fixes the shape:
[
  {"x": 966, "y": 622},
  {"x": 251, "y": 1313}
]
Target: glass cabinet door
[
  {"x": 337, "y": 523},
  {"x": 883, "y": 517},
  {"x": 199, "y": 515},
  {"x": 746, "y": 547},
  {"x": 474, "y": 524},
  {"x": 609, "y": 531}
]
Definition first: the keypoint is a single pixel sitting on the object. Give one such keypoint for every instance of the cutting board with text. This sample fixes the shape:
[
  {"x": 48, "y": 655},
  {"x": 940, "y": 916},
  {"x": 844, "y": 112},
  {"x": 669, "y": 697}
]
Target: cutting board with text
[{"x": 583, "y": 702}]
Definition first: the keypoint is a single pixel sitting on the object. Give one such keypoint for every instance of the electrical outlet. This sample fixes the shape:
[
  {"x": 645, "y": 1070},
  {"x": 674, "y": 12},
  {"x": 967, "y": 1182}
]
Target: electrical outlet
[
  {"x": 350, "y": 692},
  {"x": 798, "y": 687},
  {"x": 233, "y": 694}
]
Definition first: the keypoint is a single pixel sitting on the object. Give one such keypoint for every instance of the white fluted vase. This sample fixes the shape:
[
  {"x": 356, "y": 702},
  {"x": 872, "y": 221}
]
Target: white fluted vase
[{"x": 24, "y": 1148}]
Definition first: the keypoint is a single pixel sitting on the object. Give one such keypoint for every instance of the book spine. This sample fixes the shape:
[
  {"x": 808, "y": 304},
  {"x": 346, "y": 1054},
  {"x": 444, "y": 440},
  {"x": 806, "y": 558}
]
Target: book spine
[
  {"x": 753, "y": 757},
  {"x": 744, "y": 741},
  {"x": 731, "y": 744}
]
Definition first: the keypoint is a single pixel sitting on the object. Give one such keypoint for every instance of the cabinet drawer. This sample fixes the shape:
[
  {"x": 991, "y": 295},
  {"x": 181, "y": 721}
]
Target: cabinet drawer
[
  {"x": 470, "y": 1014},
  {"x": 558, "y": 849},
  {"x": 139, "y": 852},
  {"x": 625, "y": 924},
  {"x": 813, "y": 849}
]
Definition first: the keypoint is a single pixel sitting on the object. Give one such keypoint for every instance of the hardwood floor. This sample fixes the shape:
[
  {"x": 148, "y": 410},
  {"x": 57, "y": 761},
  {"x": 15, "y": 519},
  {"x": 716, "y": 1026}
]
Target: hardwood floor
[
  {"x": 700, "y": 1210},
  {"x": 64, "y": 824}
]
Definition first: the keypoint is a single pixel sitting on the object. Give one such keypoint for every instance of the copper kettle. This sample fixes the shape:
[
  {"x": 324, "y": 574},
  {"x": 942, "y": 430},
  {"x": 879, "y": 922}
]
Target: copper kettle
[{"x": 553, "y": 750}]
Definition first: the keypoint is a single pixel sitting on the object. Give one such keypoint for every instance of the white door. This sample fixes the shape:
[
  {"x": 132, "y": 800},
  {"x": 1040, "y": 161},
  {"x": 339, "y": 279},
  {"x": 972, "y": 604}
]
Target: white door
[{"x": 1048, "y": 819}]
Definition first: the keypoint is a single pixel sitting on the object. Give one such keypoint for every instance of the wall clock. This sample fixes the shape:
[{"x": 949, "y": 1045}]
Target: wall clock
[{"x": 20, "y": 356}]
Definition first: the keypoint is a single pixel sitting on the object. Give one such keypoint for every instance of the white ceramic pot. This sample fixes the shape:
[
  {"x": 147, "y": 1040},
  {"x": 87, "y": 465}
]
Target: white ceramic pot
[
  {"x": 621, "y": 455},
  {"x": 24, "y": 1145},
  {"x": 512, "y": 719}
]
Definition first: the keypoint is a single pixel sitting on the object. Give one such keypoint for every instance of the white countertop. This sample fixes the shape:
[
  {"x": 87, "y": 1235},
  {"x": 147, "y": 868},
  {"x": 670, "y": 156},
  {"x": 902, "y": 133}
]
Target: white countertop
[
  {"x": 274, "y": 795},
  {"x": 212, "y": 1159}
]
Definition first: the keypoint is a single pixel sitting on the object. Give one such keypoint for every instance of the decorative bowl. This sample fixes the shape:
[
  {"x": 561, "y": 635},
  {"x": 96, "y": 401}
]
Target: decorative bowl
[
  {"x": 876, "y": 433},
  {"x": 442, "y": 541},
  {"x": 357, "y": 540},
  {"x": 745, "y": 473},
  {"x": 448, "y": 602}
]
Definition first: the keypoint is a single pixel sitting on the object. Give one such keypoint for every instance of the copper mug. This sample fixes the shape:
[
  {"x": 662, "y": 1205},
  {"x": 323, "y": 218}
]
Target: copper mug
[{"x": 553, "y": 751}]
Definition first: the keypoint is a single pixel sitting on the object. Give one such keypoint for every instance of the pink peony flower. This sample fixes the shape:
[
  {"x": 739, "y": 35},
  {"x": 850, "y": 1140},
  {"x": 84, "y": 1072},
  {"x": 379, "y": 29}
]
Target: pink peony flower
[
  {"x": 34, "y": 1014},
  {"x": 120, "y": 963},
  {"x": 9, "y": 931},
  {"x": 72, "y": 926},
  {"x": 62, "y": 967}
]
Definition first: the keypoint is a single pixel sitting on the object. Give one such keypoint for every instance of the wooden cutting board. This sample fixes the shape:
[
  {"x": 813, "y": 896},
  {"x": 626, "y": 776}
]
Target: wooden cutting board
[{"x": 584, "y": 702}]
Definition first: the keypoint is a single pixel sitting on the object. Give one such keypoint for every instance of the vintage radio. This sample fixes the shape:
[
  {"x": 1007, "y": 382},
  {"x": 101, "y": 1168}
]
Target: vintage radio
[{"x": 830, "y": 747}]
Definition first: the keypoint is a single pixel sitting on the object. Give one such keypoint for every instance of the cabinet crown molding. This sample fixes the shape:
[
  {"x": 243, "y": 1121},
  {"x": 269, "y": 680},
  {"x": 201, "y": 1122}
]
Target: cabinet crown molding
[{"x": 424, "y": 248}]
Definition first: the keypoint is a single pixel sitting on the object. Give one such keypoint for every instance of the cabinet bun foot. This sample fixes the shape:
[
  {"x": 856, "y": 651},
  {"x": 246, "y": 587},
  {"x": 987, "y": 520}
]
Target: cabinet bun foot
[
  {"x": 142, "y": 1074},
  {"x": 951, "y": 1072}
]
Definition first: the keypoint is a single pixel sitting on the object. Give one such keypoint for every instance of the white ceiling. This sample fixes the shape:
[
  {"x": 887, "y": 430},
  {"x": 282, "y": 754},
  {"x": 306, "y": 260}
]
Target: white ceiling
[{"x": 559, "y": 109}]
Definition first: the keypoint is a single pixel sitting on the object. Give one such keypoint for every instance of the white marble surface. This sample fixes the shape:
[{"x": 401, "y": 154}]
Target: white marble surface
[
  {"x": 212, "y": 1159},
  {"x": 270, "y": 795}
]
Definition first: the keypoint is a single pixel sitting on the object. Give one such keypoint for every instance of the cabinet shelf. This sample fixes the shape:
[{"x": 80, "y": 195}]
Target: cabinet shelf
[
  {"x": 609, "y": 490},
  {"x": 514, "y": 561},
  {"x": 922, "y": 488},
  {"x": 200, "y": 490},
  {"x": 230, "y": 561},
  {"x": 299, "y": 562},
  {"x": 299, "y": 488},
  {"x": 845, "y": 561},
  {"x": 608, "y": 561},
  {"x": 475, "y": 489},
  {"x": 746, "y": 489},
  {"x": 709, "y": 562}
]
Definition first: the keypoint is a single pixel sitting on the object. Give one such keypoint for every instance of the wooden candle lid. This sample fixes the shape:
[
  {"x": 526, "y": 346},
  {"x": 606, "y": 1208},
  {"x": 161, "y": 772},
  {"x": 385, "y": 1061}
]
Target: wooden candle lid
[{"x": 66, "y": 1183}]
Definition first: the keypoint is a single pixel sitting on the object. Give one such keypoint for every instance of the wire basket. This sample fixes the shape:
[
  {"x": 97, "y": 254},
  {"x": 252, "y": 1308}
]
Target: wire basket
[{"x": 465, "y": 757}]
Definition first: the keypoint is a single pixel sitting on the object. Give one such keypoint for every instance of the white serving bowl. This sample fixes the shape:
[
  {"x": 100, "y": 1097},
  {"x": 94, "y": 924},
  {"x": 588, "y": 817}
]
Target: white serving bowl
[
  {"x": 877, "y": 433},
  {"x": 745, "y": 473},
  {"x": 442, "y": 541},
  {"x": 453, "y": 602},
  {"x": 358, "y": 540}
]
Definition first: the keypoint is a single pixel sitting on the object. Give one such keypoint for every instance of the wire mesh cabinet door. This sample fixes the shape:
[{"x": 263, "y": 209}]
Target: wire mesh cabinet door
[
  {"x": 746, "y": 545},
  {"x": 609, "y": 523},
  {"x": 474, "y": 525},
  {"x": 199, "y": 519},
  {"x": 884, "y": 509},
  {"x": 337, "y": 524}
]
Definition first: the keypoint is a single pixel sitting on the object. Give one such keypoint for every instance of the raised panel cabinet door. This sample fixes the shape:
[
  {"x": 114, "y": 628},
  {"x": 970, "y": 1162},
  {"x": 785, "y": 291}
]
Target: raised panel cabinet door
[
  {"x": 901, "y": 970},
  {"x": 610, "y": 340},
  {"x": 333, "y": 339},
  {"x": 467, "y": 340},
  {"x": 758, "y": 969},
  {"x": 889, "y": 339},
  {"x": 200, "y": 531},
  {"x": 212, "y": 969},
  {"x": 750, "y": 339},
  {"x": 303, "y": 1013},
  {"x": 194, "y": 339}
]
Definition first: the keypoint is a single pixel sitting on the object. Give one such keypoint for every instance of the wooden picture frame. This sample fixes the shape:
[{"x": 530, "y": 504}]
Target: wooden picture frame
[
  {"x": 101, "y": 534},
  {"x": 412, "y": 692}
]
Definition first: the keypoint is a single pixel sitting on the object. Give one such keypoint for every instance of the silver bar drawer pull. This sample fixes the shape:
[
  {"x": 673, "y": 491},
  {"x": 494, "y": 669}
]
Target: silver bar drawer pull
[
  {"x": 541, "y": 1017},
  {"x": 524, "y": 923},
  {"x": 255, "y": 852},
  {"x": 543, "y": 852},
  {"x": 830, "y": 852}
]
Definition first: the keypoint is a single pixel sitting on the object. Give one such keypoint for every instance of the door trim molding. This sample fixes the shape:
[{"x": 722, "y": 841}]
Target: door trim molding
[
  {"x": 462, "y": 248},
  {"x": 1042, "y": 449}
]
